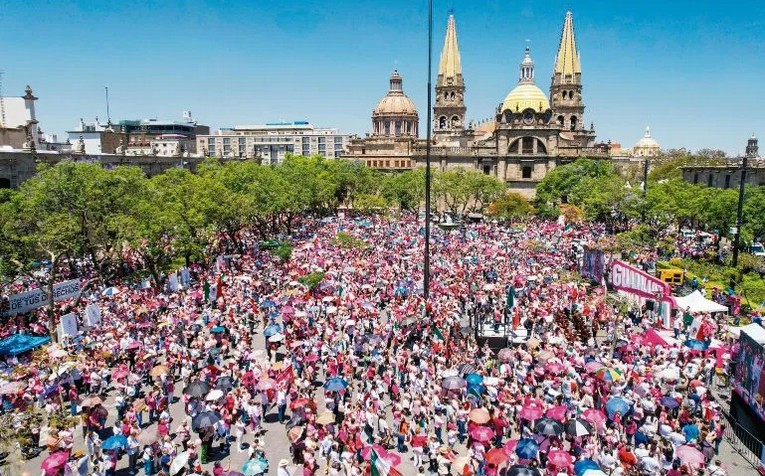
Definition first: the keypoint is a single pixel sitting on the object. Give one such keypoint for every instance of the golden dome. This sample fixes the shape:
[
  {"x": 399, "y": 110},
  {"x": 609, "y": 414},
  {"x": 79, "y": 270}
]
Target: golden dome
[
  {"x": 526, "y": 96},
  {"x": 395, "y": 102},
  {"x": 647, "y": 142}
]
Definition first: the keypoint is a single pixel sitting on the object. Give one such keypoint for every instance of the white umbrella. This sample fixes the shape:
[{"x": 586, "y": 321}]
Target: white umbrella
[
  {"x": 350, "y": 323},
  {"x": 179, "y": 462},
  {"x": 328, "y": 299},
  {"x": 276, "y": 338},
  {"x": 670, "y": 374},
  {"x": 214, "y": 395},
  {"x": 331, "y": 310}
]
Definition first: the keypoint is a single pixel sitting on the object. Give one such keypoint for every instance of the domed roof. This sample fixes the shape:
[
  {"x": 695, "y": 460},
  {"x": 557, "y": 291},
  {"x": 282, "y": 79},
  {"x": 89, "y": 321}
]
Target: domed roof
[
  {"x": 526, "y": 96},
  {"x": 647, "y": 142},
  {"x": 395, "y": 102}
]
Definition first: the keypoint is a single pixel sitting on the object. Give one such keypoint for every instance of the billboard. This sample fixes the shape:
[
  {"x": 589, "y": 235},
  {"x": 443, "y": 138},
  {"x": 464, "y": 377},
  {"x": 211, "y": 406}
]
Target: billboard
[
  {"x": 749, "y": 375},
  {"x": 593, "y": 264}
]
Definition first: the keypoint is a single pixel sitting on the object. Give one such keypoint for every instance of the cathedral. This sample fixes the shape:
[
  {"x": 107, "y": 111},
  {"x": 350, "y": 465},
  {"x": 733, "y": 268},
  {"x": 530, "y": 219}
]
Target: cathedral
[{"x": 530, "y": 133}]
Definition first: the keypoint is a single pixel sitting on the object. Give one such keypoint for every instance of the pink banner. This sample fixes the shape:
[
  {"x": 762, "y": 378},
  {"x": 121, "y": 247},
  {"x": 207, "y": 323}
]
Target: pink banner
[{"x": 636, "y": 281}]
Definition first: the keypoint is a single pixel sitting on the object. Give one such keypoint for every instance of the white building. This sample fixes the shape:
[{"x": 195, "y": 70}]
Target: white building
[
  {"x": 164, "y": 145},
  {"x": 271, "y": 142}
]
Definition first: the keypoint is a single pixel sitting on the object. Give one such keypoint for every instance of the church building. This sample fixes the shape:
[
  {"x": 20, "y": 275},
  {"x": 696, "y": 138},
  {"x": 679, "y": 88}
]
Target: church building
[{"x": 530, "y": 133}]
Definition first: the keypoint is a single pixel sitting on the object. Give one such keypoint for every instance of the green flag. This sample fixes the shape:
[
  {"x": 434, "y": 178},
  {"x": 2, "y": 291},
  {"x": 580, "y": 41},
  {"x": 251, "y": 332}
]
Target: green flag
[
  {"x": 207, "y": 291},
  {"x": 511, "y": 297},
  {"x": 437, "y": 334}
]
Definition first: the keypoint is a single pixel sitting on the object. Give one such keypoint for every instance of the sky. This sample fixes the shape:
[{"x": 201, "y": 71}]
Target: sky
[{"x": 691, "y": 69}]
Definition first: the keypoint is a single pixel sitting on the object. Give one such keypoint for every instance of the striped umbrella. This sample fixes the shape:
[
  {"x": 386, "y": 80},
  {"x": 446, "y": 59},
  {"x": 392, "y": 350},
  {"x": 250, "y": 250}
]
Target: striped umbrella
[
  {"x": 608, "y": 374},
  {"x": 578, "y": 427},
  {"x": 548, "y": 427}
]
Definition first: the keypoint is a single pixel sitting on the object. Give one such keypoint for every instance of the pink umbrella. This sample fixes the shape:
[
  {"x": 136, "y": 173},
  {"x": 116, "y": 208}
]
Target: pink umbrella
[
  {"x": 557, "y": 413},
  {"x": 120, "y": 373},
  {"x": 554, "y": 367},
  {"x": 592, "y": 366},
  {"x": 510, "y": 445},
  {"x": 690, "y": 455},
  {"x": 367, "y": 451},
  {"x": 267, "y": 384},
  {"x": 530, "y": 413},
  {"x": 560, "y": 458},
  {"x": 55, "y": 460},
  {"x": 135, "y": 345},
  {"x": 594, "y": 416},
  {"x": 482, "y": 434}
]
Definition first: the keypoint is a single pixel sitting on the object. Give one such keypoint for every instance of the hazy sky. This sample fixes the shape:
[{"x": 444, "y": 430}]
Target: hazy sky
[{"x": 691, "y": 69}]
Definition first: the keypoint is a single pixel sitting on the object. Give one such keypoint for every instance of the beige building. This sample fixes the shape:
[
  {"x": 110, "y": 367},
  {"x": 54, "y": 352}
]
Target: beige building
[
  {"x": 531, "y": 132},
  {"x": 272, "y": 142}
]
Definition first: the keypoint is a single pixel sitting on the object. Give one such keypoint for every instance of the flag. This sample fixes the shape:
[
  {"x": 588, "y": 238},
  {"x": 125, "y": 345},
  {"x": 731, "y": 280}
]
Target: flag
[
  {"x": 437, "y": 334},
  {"x": 287, "y": 374},
  {"x": 207, "y": 291},
  {"x": 694, "y": 330},
  {"x": 510, "y": 297},
  {"x": 381, "y": 467}
]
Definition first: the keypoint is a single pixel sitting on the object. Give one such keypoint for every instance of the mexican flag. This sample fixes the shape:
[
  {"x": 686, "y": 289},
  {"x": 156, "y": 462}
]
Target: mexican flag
[
  {"x": 510, "y": 303},
  {"x": 207, "y": 291},
  {"x": 437, "y": 334},
  {"x": 381, "y": 467}
]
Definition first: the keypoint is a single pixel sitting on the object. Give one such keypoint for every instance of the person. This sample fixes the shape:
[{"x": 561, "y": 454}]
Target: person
[
  {"x": 283, "y": 469},
  {"x": 716, "y": 469},
  {"x": 132, "y": 452},
  {"x": 148, "y": 461}
]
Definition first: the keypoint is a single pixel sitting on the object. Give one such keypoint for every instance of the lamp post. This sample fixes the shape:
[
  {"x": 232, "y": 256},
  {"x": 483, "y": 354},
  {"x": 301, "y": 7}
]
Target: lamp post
[
  {"x": 426, "y": 276},
  {"x": 740, "y": 212},
  {"x": 645, "y": 188}
]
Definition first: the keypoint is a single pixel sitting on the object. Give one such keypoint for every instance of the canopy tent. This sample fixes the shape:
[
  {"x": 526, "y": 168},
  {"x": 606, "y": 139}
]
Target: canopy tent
[
  {"x": 20, "y": 343},
  {"x": 698, "y": 303},
  {"x": 755, "y": 332}
]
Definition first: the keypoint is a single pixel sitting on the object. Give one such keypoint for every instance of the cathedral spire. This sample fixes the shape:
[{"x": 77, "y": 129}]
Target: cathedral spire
[
  {"x": 567, "y": 60},
  {"x": 450, "y": 67}
]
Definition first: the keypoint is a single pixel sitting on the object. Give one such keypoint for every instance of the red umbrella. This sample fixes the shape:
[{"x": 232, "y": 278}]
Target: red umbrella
[
  {"x": 557, "y": 413},
  {"x": 560, "y": 458},
  {"x": 420, "y": 441},
  {"x": 496, "y": 456},
  {"x": 55, "y": 460},
  {"x": 530, "y": 413},
  {"x": 482, "y": 434}
]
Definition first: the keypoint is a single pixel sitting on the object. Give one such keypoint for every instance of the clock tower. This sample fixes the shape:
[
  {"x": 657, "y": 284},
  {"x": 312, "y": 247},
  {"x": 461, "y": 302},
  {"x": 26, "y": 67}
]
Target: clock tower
[{"x": 449, "y": 110}]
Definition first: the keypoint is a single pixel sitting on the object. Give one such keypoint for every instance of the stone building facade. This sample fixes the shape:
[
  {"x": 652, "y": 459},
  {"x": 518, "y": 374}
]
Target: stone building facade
[
  {"x": 728, "y": 175},
  {"x": 531, "y": 132}
]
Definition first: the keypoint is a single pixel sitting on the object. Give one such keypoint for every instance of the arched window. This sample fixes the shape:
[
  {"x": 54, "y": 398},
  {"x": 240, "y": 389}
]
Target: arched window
[
  {"x": 514, "y": 147},
  {"x": 446, "y": 95},
  {"x": 442, "y": 122},
  {"x": 565, "y": 93},
  {"x": 453, "y": 95},
  {"x": 455, "y": 121},
  {"x": 574, "y": 121},
  {"x": 561, "y": 120},
  {"x": 541, "y": 149}
]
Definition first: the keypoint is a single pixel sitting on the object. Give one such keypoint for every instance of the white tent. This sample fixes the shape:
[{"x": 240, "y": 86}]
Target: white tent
[
  {"x": 698, "y": 303},
  {"x": 755, "y": 331}
]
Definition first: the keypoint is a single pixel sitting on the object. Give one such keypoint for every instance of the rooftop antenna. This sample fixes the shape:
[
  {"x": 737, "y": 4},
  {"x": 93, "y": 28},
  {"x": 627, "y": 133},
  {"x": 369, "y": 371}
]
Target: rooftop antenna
[
  {"x": 108, "y": 116},
  {"x": 2, "y": 101}
]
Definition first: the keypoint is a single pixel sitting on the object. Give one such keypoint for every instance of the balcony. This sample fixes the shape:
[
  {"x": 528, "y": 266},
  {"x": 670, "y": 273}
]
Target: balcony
[{"x": 598, "y": 152}]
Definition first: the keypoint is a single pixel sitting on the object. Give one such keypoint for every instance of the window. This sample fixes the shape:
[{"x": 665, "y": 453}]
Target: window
[
  {"x": 574, "y": 121},
  {"x": 322, "y": 140},
  {"x": 442, "y": 122},
  {"x": 727, "y": 181},
  {"x": 226, "y": 141},
  {"x": 487, "y": 169},
  {"x": 695, "y": 178},
  {"x": 514, "y": 147},
  {"x": 709, "y": 180},
  {"x": 527, "y": 145},
  {"x": 526, "y": 171},
  {"x": 398, "y": 128}
]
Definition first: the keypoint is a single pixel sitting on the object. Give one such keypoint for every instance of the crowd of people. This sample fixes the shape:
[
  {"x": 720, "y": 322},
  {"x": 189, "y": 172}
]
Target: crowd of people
[{"x": 364, "y": 376}]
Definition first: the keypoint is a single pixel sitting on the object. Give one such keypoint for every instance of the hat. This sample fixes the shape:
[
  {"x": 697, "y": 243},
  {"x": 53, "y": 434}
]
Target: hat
[
  {"x": 443, "y": 449},
  {"x": 283, "y": 463}
]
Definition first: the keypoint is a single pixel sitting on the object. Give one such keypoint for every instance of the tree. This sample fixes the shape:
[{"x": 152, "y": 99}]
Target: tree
[
  {"x": 560, "y": 184},
  {"x": 511, "y": 205},
  {"x": 405, "y": 190},
  {"x": 462, "y": 190}
]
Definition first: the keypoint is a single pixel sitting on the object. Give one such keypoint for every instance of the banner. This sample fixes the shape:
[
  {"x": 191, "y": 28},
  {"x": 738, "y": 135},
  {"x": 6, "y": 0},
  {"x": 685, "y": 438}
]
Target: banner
[
  {"x": 636, "y": 281},
  {"x": 68, "y": 326},
  {"x": 30, "y": 300},
  {"x": 748, "y": 381},
  {"x": 93, "y": 315},
  {"x": 173, "y": 282},
  {"x": 593, "y": 264}
]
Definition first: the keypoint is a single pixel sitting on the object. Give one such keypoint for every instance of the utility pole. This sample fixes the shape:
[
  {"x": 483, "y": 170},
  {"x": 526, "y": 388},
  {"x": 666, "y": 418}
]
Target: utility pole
[
  {"x": 108, "y": 116},
  {"x": 740, "y": 213},
  {"x": 426, "y": 277}
]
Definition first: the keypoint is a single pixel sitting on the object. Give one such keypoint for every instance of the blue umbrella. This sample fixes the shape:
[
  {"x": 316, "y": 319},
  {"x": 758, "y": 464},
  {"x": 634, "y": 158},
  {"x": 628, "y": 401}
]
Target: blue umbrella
[
  {"x": 115, "y": 442},
  {"x": 335, "y": 384},
  {"x": 272, "y": 329},
  {"x": 583, "y": 465},
  {"x": 617, "y": 404},
  {"x": 218, "y": 329},
  {"x": 695, "y": 344},
  {"x": 110, "y": 291},
  {"x": 527, "y": 448},
  {"x": 473, "y": 379},
  {"x": 268, "y": 303},
  {"x": 254, "y": 467},
  {"x": 669, "y": 402},
  {"x": 477, "y": 390}
]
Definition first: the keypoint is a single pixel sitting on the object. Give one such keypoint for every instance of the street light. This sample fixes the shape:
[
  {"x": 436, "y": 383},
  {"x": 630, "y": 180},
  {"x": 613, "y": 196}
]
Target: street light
[{"x": 426, "y": 276}]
